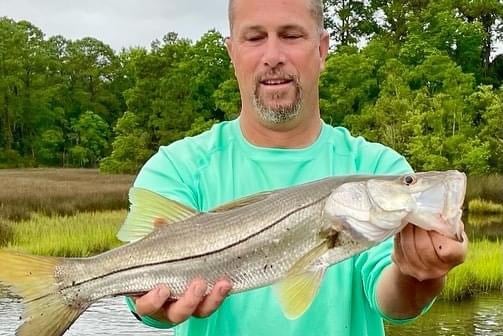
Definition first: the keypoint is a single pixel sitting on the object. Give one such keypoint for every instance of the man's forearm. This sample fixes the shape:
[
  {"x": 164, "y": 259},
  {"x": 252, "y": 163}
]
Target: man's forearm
[{"x": 401, "y": 296}]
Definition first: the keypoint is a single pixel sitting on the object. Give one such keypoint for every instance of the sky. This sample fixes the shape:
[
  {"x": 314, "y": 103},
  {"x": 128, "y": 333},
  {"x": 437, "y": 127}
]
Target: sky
[
  {"x": 125, "y": 23},
  {"x": 120, "y": 23}
]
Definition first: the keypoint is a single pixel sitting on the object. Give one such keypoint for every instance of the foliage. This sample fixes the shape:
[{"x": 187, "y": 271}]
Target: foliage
[
  {"x": 420, "y": 76},
  {"x": 130, "y": 147},
  {"x": 90, "y": 134}
]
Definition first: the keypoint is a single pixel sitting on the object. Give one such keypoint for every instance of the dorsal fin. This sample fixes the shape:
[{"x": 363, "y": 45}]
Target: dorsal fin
[
  {"x": 241, "y": 202},
  {"x": 149, "y": 211}
]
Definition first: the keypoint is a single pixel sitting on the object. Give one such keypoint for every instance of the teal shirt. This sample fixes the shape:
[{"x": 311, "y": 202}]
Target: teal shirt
[{"x": 218, "y": 166}]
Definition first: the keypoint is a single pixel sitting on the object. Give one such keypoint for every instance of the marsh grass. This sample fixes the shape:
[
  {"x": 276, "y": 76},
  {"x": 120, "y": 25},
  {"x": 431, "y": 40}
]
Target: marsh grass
[
  {"x": 479, "y": 220},
  {"x": 482, "y": 271},
  {"x": 80, "y": 235},
  {"x": 60, "y": 192},
  {"x": 488, "y": 187},
  {"x": 480, "y": 206}
]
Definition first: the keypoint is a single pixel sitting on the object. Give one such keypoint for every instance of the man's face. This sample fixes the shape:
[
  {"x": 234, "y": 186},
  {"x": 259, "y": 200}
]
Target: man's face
[{"x": 278, "y": 53}]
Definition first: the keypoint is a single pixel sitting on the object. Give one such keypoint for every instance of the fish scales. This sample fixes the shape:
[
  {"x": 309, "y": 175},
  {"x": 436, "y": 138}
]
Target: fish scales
[{"x": 255, "y": 242}]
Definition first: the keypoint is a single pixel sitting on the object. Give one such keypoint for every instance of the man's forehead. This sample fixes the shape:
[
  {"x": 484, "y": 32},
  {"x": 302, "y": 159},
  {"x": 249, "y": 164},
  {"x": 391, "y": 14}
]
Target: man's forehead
[
  {"x": 279, "y": 14},
  {"x": 279, "y": 27}
]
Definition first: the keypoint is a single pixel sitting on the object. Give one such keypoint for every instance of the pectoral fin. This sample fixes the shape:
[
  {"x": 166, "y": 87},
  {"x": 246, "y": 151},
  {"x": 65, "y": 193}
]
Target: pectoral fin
[{"x": 297, "y": 291}]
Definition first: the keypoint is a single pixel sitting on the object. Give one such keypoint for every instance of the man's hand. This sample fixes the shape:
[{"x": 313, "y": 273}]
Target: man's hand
[
  {"x": 421, "y": 259},
  {"x": 194, "y": 302},
  {"x": 427, "y": 255}
]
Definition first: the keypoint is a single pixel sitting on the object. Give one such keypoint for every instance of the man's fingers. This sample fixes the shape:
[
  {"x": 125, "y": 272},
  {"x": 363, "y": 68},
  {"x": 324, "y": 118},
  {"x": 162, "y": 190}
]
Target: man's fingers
[
  {"x": 184, "y": 307},
  {"x": 407, "y": 239},
  {"x": 434, "y": 267},
  {"x": 214, "y": 299},
  {"x": 398, "y": 256},
  {"x": 424, "y": 248},
  {"x": 151, "y": 302},
  {"x": 450, "y": 251}
]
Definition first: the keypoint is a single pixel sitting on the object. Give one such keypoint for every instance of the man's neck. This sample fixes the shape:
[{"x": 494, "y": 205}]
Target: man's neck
[{"x": 296, "y": 134}]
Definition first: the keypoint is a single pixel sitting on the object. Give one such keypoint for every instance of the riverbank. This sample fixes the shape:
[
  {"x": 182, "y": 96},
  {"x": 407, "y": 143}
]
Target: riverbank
[{"x": 481, "y": 272}]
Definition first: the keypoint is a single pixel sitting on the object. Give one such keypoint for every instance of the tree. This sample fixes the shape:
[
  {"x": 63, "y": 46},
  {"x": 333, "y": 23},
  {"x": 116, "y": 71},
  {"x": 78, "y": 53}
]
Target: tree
[
  {"x": 347, "y": 84},
  {"x": 228, "y": 99},
  {"x": 349, "y": 21},
  {"x": 92, "y": 67},
  {"x": 90, "y": 139},
  {"x": 130, "y": 147},
  {"x": 489, "y": 13}
]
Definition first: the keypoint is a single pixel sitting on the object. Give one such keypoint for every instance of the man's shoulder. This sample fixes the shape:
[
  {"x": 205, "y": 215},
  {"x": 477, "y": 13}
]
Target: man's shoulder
[
  {"x": 354, "y": 144},
  {"x": 369, "y": 156}
]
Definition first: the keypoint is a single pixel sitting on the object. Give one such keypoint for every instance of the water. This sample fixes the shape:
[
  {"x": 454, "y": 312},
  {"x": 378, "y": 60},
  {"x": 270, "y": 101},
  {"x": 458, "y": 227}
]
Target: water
[
  {"x": 481, "y": 316},
  {"x": 105, "y": 318},
  {"x": 488, "y": 227}
]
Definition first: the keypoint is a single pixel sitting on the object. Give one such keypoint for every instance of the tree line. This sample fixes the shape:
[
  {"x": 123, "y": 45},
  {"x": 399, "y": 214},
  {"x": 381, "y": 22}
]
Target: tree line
[{"x": 421, "y": 76}]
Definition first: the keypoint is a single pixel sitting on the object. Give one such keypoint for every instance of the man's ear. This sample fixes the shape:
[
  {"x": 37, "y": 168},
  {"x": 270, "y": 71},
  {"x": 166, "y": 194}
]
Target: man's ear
[
  {"x": 228, "y": 46},
  {"x": 324, "y": 46}
]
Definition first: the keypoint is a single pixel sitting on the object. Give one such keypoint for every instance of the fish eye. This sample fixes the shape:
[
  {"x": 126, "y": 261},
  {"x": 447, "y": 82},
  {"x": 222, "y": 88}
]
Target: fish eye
[{"x": 409, "y": 180}]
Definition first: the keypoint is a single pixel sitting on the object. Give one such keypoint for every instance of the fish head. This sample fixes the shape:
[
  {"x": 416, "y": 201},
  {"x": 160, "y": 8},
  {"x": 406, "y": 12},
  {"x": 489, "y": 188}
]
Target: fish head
[
  {"x": 376, "y": 208},
  {"x": 438, "y": 198}
]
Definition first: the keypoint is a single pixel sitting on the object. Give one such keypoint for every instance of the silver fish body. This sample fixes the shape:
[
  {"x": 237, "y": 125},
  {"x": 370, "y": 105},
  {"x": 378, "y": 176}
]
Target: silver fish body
[
  {"x": 267, "y": 238},
  {"x": 252, "y": 245}
]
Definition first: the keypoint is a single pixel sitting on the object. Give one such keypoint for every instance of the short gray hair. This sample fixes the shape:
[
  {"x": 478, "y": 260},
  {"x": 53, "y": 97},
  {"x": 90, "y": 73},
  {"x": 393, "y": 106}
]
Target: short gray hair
[{"x": 316, "y": 11}]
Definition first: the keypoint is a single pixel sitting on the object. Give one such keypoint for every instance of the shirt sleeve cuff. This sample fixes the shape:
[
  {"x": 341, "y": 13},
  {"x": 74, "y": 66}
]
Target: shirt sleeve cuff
[{"x": 147, "y": 320}]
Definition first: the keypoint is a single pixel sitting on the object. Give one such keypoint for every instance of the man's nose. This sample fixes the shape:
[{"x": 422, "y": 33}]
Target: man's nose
[{"x": 273, "y": 54}]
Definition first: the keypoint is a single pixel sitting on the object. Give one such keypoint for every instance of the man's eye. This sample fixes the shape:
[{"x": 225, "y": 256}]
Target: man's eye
[
  {"x": 292, "y": 37},
  {"x": 254, "y": 38}
]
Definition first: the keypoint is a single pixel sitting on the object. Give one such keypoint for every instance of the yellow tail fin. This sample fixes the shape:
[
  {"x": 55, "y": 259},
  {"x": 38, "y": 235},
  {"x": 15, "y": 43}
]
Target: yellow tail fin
[{"x": 33, "y": 278}]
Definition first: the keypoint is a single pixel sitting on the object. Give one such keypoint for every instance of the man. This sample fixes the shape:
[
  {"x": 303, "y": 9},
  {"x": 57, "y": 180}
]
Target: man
[{"x": 278, "y": 49}]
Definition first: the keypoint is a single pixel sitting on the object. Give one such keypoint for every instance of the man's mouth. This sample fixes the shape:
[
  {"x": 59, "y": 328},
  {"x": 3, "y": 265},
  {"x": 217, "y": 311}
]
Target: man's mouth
[{"x": 276, "y": 81}]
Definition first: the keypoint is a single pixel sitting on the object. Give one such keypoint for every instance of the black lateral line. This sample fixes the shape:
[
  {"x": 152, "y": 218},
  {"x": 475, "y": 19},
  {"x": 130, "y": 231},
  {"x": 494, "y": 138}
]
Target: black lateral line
[{"x": 199, "y": 255}]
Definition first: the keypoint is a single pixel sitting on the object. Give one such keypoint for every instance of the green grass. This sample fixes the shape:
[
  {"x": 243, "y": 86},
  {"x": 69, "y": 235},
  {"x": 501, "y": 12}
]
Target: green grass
[
  {"x": 480, "y": 206},
  {"x": 482, "y": 271},
  {"x": 489, "y": 187},
  {"x": 60, "y": 192},
  {"x": 478, "y": 220},
  {"x": 80, "y": 235}
]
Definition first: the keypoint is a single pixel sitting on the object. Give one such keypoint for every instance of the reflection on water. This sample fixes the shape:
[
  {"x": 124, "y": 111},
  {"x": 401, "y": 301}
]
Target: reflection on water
[
  {"x": 481, "y": 316},
  {"x": 105, "y": 318},
  {"x": 484, "y": 226}
]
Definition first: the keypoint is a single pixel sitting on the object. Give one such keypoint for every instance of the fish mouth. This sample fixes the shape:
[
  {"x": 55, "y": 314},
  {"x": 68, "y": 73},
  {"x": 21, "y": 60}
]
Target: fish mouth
[
  {"x": 456, "y": 187},
  {"x": 442, "y": 206}
]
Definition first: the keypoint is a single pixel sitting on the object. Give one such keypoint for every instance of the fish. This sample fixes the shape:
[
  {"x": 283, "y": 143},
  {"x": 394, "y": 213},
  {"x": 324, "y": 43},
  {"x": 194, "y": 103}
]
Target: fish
[{"x": 286, "y": 238}]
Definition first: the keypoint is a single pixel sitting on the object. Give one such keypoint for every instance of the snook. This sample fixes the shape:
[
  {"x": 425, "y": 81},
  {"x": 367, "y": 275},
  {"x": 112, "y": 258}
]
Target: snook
[{"x": 288, "y": 237}]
